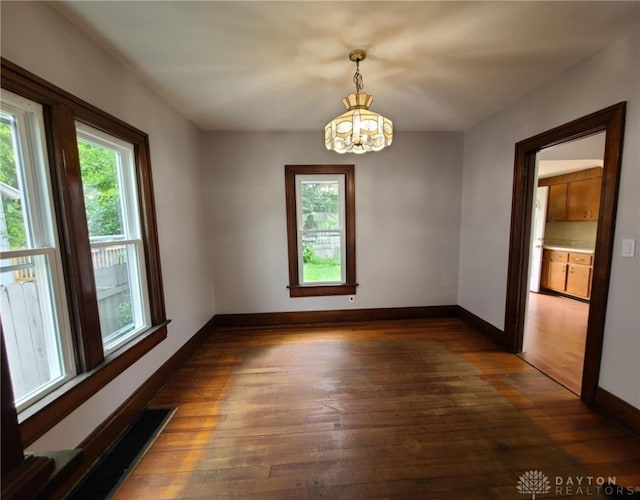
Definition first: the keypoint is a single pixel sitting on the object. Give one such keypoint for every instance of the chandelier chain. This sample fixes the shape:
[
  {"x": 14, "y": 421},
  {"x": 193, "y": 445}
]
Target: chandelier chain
[{"x": 357, "y": 78}]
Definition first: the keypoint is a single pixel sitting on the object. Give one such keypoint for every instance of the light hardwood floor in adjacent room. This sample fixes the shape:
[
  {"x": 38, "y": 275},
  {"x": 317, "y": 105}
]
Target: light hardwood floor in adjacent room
[
  {"x": 424, "y": 409},
  {"x": 556, "y": 331}
]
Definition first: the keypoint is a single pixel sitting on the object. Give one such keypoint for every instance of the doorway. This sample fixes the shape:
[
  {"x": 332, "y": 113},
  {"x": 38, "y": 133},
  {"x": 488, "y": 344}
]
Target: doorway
[
  {"x": 564, "y": 222},
  {"x": 610, "y": 121}
]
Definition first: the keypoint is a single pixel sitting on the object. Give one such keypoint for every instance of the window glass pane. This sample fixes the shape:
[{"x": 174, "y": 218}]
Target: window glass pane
[
  {"x": 101, "y": 187},
  {"x": 13, "y": 233},
  {"x": 320, "y": 205},
  {"x": 33, "y": 346},
  {"x": 321, "y": 257},
  {"x": 115, "y": 299}
]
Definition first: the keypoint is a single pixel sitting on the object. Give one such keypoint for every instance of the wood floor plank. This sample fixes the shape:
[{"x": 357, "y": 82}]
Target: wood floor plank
[
  {"x": 556, "y": 333},
  {"x": 402, "y": 409}
]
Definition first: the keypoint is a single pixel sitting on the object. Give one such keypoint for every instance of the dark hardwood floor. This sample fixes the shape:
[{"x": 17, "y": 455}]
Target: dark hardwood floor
[
  {"x": 556, "y": 331},
  {"x": 405, "y": 410}
]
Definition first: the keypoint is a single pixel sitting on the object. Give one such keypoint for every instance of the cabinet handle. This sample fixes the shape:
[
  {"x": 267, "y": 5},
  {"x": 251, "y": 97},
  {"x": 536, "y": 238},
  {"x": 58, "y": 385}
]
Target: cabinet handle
[{"x": 571, "y": 269}]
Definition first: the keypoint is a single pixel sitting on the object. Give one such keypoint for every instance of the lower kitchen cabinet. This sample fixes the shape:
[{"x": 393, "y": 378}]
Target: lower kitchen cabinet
[
  {"x": 579, "y": 274},
  {"x": 554, "y": 275},
  {"x": 579, "y": 280},
  {"x": 567, "y": 272}
]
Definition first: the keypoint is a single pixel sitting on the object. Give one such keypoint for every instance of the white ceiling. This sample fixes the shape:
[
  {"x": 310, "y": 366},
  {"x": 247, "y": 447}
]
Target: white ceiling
[
  {"x": 571, "y": 156},
  {"x": 265, "y": 65}
]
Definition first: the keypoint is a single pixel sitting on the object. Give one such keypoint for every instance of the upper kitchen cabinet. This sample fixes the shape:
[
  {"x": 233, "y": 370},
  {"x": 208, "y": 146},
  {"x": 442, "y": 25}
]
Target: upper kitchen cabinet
[
  {"x": 557, "y": 204},
  {"x": 583, "y": 199},
  {"x": 574, "y": 196}
]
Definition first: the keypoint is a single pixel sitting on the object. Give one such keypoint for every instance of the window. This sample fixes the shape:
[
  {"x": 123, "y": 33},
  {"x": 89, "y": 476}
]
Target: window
[
  {"x": 321, "y": 229},
  {"x": 32, "y": 292},
  {"x": 109, "y": 187},
  {"x": 81, "y": 294}
]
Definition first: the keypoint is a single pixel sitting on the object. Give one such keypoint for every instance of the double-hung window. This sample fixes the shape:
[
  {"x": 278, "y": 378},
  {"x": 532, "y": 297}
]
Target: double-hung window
[
  {"x": 32, "y": 290},
  {"x": 81, "y": 295},
  {"x": 321, "y": 229},
  {"x": 110, "y": 199}
]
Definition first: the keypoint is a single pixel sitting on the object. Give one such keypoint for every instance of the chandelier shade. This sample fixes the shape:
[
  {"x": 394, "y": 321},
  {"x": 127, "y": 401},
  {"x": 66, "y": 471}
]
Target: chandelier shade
[{"x": 358, "y": 130}]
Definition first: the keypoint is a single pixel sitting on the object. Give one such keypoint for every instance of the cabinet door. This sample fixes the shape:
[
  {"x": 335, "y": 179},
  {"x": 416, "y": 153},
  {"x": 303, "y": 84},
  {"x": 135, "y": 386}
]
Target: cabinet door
[
  {"x": 583, "y": 199},
  {"x": 557, "y": 204},
  {"x": 557, "y": 276},
  {"x": 579, "y": 280},
  {"x": 544, "y": 274}
]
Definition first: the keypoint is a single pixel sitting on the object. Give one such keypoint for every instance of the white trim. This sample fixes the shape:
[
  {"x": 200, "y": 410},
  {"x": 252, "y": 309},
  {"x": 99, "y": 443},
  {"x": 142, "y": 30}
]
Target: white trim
[
  {"x": 340, "y": 179},
  {"x": 112, "y": 243}
]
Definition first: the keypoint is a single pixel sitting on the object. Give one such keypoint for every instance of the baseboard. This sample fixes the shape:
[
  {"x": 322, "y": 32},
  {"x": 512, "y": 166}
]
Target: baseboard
[
  {"x": 338, "y": 316},
  {"x": 105, "y": 434},
  {"x": 617, "y": 409},
  {"x": 484, "y": 327}
]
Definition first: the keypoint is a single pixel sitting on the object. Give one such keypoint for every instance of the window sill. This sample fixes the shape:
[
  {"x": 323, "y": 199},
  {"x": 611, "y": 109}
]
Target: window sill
[
  {"x": 46, "y": 413},
  {"x": 322, "y": 290}
]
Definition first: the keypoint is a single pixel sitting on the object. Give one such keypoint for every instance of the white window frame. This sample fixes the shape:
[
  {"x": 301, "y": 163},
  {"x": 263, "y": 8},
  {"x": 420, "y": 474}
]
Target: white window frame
[
  {"x": 132, "y": 236},
  {"x": 301, "y": 232},
  {"x": 42, "y": 239}
]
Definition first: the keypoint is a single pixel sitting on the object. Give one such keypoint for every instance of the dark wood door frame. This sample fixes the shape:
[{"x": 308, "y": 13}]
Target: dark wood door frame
[{"x": 611, "y": 121}]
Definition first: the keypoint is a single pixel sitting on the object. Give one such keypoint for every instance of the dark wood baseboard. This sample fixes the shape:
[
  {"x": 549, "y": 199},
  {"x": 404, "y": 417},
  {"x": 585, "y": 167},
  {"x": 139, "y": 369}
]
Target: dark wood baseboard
[
  {"x": 337, "y": 316},
  {"x": 99, "y": 441},
  {"x": 484, "y": 327},
  {"x": 103, "y": 436},
  {"x": 617, "y": 409},
  {"x": 26, "y": 480}
]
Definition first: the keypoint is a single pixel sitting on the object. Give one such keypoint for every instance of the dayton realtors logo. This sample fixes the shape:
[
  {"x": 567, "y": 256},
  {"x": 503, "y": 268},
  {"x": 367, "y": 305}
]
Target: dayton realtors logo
[{"x": 535, "y": 482}]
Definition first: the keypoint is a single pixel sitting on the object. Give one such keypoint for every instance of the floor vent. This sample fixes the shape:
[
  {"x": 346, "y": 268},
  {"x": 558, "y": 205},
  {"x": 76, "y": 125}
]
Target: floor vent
[{"x": 114, "y": 467}]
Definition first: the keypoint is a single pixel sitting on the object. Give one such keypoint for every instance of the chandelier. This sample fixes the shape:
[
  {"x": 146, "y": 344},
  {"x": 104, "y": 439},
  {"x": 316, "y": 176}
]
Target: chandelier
[{"x": 359, "y": 129}]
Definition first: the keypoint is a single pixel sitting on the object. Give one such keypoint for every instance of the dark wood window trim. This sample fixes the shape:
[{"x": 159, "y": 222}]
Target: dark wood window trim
[
  {"x": 295, "y": 288},
  {"x": 61, "y": 111}
]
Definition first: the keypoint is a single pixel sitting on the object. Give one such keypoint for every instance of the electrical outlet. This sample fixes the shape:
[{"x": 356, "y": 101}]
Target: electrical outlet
[{"x": 352, "y": 298}]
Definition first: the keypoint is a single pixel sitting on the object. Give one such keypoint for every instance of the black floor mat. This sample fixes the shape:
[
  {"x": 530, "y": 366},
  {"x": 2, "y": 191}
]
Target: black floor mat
[{"x": 118, "y": 462}]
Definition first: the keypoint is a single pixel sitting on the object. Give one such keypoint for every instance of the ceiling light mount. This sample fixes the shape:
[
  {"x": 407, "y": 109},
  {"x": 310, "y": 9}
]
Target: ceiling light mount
[
  {"x": 359, "y": 129},
  {"x": 357, "y": 55}
]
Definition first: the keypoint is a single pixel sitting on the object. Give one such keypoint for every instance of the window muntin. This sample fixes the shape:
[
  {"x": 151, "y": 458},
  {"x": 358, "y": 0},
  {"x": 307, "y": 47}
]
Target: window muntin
[
  {"x": 320, "y": 208},
  {"x": 321, "y": 229},
  {"x": 32, "y": 291},
  {"x": 107, "y": 166}
]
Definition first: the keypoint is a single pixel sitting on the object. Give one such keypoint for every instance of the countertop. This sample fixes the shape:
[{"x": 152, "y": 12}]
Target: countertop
[{"x": 560, "y": 248}]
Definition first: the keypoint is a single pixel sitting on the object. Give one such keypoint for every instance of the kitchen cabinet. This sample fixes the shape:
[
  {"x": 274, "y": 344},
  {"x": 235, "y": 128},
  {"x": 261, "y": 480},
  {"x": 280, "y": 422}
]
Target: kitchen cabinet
[
  {"x": 557, "y": 203},
  {"x": 574, "y": 196},
  {"x": 579, "y": 275},
  {"x": 554, "y": 270},
  {"x": 567, "y": 272},
  {"x": 583, "y": 199}
]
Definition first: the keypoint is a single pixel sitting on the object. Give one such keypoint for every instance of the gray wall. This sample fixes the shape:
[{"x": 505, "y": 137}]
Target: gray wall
[
  {"x": 407, "y": 219},
  {"x": 58, "y": 52},
  {"x": 608, "y": 77}
]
